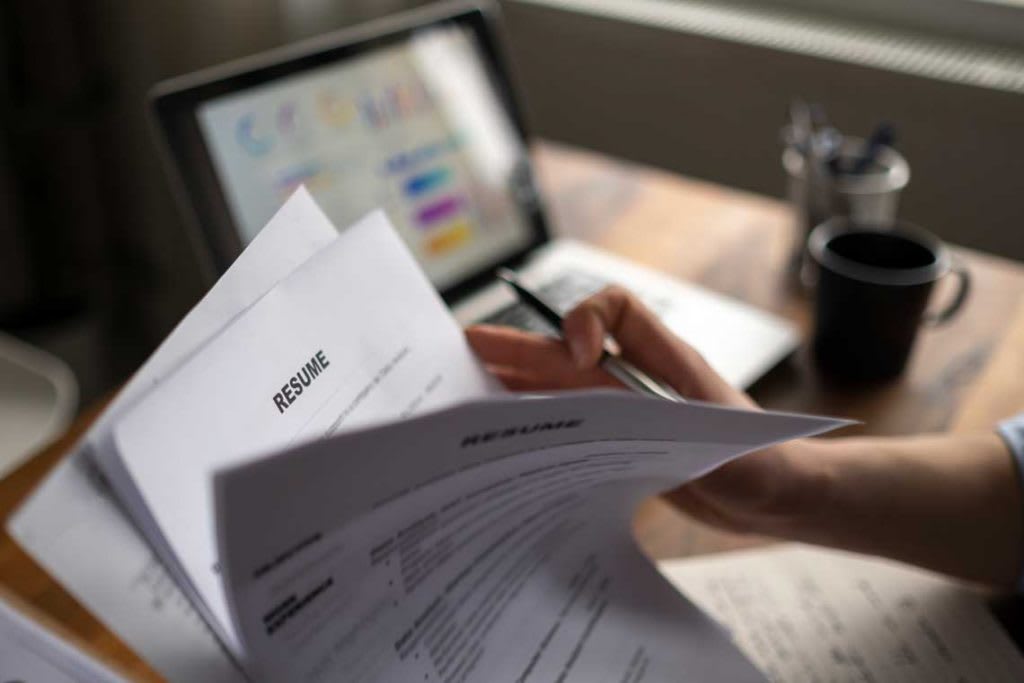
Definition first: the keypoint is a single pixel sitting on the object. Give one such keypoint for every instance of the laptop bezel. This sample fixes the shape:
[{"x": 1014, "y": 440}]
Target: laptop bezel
[{"x": 174, "y": 104}]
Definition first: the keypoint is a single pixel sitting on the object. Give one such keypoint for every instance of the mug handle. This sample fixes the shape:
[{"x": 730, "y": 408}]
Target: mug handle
[{"x": 944, "y": 316}]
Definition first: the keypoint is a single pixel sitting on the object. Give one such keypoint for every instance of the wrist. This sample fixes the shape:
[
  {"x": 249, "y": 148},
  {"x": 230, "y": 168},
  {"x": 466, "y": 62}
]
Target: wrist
[
  {"x": 798, "y": 507},
  {"x": 946, "y": 502}
]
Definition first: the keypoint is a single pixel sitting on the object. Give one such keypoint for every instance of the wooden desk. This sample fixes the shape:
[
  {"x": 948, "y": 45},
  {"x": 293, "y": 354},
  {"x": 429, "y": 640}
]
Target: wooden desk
[
  {"x": 732, "y": 242},
  {"x": 738, "y": 244}
]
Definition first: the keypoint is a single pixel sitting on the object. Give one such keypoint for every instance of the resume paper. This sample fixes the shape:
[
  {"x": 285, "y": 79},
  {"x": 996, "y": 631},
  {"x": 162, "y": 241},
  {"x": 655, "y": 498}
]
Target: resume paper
[{"x": 314, "y": 479}]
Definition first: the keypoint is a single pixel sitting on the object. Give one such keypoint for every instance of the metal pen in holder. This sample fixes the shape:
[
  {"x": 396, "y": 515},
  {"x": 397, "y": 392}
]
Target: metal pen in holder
[
  {"x": 870, "y": 198},
  {"x": 831, "y": 175}
]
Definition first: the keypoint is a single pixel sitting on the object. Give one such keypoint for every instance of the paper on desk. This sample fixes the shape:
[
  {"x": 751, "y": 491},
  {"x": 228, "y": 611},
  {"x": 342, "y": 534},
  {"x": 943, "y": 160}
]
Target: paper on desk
[
  {"x": 32, "y": 654},
  {"x": 805, "y": 615},
  {"x": 490, "y": 541},
  {"x": 74, "y": 529},
  {"x": 357, "y": 335}
]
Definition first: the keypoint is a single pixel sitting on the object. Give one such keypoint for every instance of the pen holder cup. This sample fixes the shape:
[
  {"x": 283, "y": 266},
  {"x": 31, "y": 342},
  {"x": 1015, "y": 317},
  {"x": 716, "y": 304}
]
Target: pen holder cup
[{"x": 870, "y": 198}]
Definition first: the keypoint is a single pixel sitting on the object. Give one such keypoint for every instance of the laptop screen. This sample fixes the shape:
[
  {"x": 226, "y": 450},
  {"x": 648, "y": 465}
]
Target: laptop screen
[{"x": 416, "y": 126}]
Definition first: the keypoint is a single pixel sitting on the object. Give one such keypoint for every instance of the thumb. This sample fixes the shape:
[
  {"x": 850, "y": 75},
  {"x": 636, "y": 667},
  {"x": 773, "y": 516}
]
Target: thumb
[{"x": 584, "y": 332}]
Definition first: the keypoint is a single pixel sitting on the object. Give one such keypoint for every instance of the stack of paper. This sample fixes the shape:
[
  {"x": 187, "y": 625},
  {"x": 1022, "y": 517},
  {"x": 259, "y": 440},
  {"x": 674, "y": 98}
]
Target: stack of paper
[{"x": 316, "y": 465}]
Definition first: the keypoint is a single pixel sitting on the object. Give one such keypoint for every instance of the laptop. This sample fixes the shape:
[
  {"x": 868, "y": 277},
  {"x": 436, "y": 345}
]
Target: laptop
[{"x": 416, "y": 114}]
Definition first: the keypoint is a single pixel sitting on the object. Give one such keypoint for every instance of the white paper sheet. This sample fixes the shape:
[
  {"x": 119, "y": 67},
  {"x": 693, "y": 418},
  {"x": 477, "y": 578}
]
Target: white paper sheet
[
  {"x": 31, "y": 654},
  {"x": 490, "y": 541},
  {"x": 805, "y": 615},
  {"x": 357, "y": 335},
  {"x": 73, "y": 528}
]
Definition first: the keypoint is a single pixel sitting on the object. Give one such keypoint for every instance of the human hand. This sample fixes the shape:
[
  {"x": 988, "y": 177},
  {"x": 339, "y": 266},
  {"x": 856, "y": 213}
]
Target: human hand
[
  {"x": 883, "y": 496},
  {"x": 750, "y": 494},
  {"x": 532, "y": 362}
]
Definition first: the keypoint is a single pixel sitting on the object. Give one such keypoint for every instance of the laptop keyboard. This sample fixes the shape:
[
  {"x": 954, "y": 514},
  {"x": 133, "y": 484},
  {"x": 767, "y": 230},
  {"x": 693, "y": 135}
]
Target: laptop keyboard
[{"x": 561, "y": 293}]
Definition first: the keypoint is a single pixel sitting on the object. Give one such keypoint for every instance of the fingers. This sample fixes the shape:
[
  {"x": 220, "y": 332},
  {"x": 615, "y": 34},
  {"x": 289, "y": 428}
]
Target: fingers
[
  {"x": 644, "y": 340},
  {"x": 518, "y": 380},
  {"x": 506, "y": 346},
  {"x": 531, "y": 362},
  {"x": 703, "y": 509},
  {"x": 617, "y": 312}
]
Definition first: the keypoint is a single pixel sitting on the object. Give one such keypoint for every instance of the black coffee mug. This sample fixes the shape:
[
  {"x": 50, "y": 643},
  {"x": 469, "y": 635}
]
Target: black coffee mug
[{"x": 872, "y": 290}]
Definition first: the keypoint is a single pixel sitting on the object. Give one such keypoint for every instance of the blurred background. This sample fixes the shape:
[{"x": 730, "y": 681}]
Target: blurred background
[{"x": 96, "y": 267}]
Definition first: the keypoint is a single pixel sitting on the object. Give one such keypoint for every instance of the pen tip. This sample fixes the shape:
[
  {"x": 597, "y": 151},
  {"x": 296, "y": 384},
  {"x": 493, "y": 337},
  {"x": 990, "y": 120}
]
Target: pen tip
[{"x": 506, "y": 275}]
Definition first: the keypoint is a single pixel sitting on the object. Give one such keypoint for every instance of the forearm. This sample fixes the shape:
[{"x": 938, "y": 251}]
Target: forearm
[{"x": 949, "y": 503}]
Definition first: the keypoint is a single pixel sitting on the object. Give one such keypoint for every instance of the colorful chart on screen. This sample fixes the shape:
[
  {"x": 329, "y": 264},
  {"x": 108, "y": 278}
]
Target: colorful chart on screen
[{"x": 415, "y": 127}]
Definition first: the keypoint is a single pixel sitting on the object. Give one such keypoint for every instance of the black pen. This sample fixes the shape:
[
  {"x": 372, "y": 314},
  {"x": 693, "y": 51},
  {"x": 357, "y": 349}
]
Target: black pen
[
  {"x": 883, "y": 136},
  {"x": 622, "y": 370}
]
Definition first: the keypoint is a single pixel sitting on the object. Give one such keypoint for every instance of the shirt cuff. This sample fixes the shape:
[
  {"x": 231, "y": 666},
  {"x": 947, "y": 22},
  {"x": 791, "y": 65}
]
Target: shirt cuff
[{"x": 1012, "y": 432}]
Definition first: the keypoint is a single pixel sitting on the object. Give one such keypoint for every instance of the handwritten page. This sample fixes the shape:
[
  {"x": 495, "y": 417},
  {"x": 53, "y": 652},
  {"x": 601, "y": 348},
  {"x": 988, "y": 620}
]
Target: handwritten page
[{"x": 808, "y": 615}]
